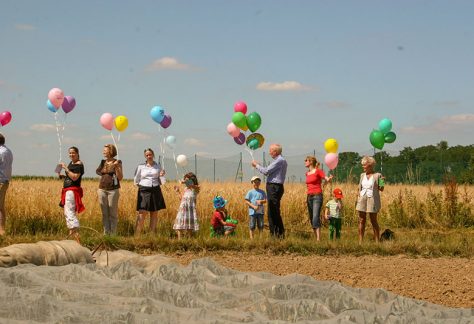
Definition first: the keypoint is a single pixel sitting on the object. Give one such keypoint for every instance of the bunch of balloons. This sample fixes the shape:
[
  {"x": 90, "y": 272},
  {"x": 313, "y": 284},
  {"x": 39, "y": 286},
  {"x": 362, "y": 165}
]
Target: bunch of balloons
[
  {"x": 158, "y": 115},
  {"x": 5, "y": 118},
  {"x": 331, "y": 158},
  {"x": 108, "y": 121},
  {"x": 56, "y": 100},
  {"x": 378, "y": 137},
  {"x": 242, "y": 123}
]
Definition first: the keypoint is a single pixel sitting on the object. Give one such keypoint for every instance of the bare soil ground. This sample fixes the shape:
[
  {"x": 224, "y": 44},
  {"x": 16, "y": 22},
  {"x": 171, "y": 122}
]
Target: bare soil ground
[{"x": 444, "y": 281}]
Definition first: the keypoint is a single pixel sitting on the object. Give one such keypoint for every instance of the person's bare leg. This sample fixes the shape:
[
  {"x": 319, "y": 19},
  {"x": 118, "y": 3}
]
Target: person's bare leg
[
  {"x": 140, "y": 222},
  {"x": 375, "y": 226},
  {"x": 153, "y": 221},
  {"x": 317, "y": 233},
  {"x": 362, "y": 220},
  {"x": 251, "y": 234}
]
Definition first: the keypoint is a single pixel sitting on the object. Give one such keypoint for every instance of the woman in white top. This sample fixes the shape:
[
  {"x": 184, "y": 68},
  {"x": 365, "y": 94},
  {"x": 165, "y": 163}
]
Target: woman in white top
[
  {"x": 149, "y": 197},
  {"x": 368, "y": 200}
]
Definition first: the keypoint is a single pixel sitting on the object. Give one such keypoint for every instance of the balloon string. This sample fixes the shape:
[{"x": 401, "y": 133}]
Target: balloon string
[
  {"x": 250, "y": 152},
  {"x": 176, "y": 166},
  {"x": 63, "y": 127},
  {"x": 115, "y": 143},
  {"x": 58, "y": 135}
]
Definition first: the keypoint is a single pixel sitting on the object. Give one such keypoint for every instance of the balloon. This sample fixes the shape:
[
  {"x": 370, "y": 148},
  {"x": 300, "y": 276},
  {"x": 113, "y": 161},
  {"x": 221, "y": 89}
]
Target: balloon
[
  {"x": 255, "y": 141},
  {"x": 56, "y": 96},
  {"x": 331, "y": 160},
  {"x": 385, "y": 125},
  {"x": 5, "y": 117},
  {"x": 121, "y": 123},
  {"x": 170, "y": 141},
  {"x": 331, "y": 145},
  {"x": 107, "y": 121},
  {"x": 390, "y": 137},
  {"x": 68, "y": 104},
  {"x": 157, "y": 113},
  {"x": 254, "y": 121},
  {"x": 182, "y": 160},
  {"x": 233, "y": 130},
  {"x": 239, "y": 120},
  {"x": 240, "y": 139},
  {"x": 240, "y": 106},
  {"x": 51, "y": 106},
  {"x": 377, "y": 139},
  {"x": 166, "y": 122}
]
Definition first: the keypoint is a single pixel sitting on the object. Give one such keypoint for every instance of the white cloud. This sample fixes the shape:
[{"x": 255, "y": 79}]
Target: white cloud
[
  {"x": 283, "y": 86},
  {"x": 140, "y": 136},
  {"x": 194, "y": 142},
  {"x": 43, "y": 128},
  {"x": 25, "y": 27},
  {"x": 443, "y": 124},
  {"x": 167, "y": 63},
  {"x": 105, "y": 138},
  {"x": 41, "y": 145}
]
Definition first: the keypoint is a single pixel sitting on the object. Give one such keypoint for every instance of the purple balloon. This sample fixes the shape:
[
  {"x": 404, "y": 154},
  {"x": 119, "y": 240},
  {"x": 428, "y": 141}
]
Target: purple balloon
[
  {"x": 68, "y": 104},
  {"x": 240, "y": 139},
  {"x": 166, "y": 122}
]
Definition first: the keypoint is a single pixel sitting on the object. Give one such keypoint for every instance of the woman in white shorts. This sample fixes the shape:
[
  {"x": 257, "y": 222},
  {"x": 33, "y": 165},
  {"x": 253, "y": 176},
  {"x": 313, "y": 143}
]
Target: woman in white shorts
[{"x": 368, "y": 200}]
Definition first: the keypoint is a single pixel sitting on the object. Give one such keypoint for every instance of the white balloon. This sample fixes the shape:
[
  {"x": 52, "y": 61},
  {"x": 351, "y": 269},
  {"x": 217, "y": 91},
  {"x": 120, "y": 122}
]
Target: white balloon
[
  {"x": 171, "y": 141},
  {"x": 182, "y": 160}
]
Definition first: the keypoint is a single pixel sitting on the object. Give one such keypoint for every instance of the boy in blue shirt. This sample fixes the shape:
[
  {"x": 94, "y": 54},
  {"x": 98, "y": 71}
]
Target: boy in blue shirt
[{"x": 255, "y": 199}]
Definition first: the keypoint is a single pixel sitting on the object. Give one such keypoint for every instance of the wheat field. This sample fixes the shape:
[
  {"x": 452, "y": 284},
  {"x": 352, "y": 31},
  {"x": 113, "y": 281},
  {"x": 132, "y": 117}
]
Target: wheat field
[{"x": 33, "y": 213}]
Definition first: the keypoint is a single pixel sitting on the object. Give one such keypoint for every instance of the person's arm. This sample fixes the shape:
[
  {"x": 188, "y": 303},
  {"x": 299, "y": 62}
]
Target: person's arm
[
  {"x": 137, "y": 176},
  {"x": 100, "y": 167},
  {"x": 73, "y": 176},
  {"x": 275, "y": 165},
  {"x": 326, "y": 213},
  {"x": 250, "y": 204},
  {"x": 118, "y": 169}
]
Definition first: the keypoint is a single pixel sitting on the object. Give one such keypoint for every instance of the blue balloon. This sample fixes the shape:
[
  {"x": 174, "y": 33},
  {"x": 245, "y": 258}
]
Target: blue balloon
[
  {"x": 157, "y": 113},
  {"x": 385, "y": 125},
  {"x": 50, "y": 106}
]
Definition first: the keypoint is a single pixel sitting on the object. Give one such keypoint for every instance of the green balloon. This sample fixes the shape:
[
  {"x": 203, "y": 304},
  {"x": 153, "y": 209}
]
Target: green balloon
[
  {"x": 377, "y": 139},
  {"x": 253, "y": 144},
  {"x": 390, "y": 137},
  {"x": 385, "y": 125},
  {"x": 254, "y": 121},
  {"x": 239, "y": 120}
]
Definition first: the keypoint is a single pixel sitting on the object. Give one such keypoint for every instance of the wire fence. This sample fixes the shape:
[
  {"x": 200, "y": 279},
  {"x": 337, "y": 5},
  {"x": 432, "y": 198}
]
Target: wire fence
[{"x": 237, "y": 168}]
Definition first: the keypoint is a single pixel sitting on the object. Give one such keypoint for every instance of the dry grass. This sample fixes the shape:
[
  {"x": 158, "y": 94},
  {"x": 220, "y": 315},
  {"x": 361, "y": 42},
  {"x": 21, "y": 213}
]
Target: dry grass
[{"x": 421, "y": 214}]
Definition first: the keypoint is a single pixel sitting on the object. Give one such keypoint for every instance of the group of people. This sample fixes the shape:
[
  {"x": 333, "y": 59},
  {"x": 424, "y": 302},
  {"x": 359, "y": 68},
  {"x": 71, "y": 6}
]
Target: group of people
[{"x": 148, "y": 178}]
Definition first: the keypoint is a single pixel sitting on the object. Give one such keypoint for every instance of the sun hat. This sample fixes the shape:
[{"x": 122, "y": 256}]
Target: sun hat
[
  {"x": 219, "y": 202},
  {"x": 338, "y": 193},
  {"x": 255, "y": 178}
]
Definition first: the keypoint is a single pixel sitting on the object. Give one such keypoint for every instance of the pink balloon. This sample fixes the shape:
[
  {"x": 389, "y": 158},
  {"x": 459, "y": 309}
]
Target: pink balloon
[
  {"x": 240, "y": 106},
  {"x": 331, "y": 160},
  {"x": 68, "y": 104},
  {"x": 56, "y": 96},
  {"x": 240, "y": 139},
  {"x": 166, "y": 122},
  {"x": 107, "y": 121},
  {"x": 233, "y": 130},
  {"x": 5, "y": 117}
]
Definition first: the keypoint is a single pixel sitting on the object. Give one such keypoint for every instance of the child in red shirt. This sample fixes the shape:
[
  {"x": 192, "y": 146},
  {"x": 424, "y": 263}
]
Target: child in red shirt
[{"x": 218, "y": 220}]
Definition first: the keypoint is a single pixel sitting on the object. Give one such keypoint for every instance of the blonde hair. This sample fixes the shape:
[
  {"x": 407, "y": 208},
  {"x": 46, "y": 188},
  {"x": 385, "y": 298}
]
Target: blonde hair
[
  {"x": 112, "y": 149},
  {"x": 368, "y": 160},
  {"x": 312, "y": 160}
]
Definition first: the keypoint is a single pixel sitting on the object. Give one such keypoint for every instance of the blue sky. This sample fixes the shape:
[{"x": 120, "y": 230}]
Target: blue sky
[{"x": 312, "y": 69}]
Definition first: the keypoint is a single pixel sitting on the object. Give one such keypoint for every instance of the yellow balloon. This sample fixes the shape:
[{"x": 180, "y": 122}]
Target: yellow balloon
[
  {"x": 331, "y": 145},
  {"x": 121, "y": 123}
]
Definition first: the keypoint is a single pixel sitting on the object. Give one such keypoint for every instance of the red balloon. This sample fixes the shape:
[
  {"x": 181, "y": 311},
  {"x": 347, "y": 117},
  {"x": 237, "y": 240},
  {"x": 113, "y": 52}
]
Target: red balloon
[
  {"x": 240, "y": 106},
  {"x": 5, "y": 118}
]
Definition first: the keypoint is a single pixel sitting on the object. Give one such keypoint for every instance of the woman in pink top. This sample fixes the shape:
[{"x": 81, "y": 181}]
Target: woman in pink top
[{"x": 314, "y": 198}]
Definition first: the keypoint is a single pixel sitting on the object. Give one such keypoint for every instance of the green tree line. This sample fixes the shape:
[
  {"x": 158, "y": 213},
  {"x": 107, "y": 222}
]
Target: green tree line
[{"x": 425, "y": 164}]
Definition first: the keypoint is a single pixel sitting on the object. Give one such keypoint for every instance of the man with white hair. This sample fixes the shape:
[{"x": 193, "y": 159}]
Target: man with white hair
[{"x": 275, "y": 173}]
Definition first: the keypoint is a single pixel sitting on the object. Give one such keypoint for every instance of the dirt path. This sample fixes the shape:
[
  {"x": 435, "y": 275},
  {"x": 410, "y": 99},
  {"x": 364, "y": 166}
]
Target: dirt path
[{"x": 444, "y": 281}]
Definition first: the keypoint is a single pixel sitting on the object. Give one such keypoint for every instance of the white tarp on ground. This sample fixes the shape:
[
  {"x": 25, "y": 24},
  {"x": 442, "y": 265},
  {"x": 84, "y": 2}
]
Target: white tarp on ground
[{"x": 152, "y": 289}]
